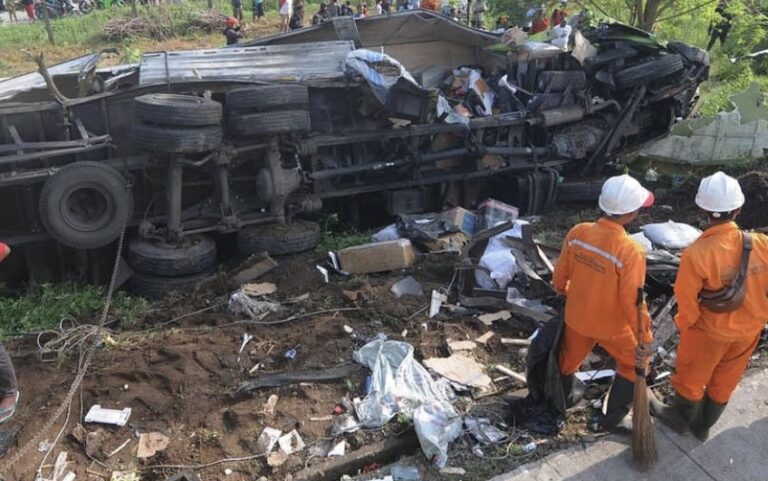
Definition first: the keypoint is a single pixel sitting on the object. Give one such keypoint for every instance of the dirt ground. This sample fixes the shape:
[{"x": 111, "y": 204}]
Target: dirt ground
[{"x": 179, "y": 379}]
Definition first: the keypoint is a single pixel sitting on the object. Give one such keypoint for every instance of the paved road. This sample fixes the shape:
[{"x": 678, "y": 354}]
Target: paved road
[
  {"x": 5, "y": 19},
  {"x": 737, "y": 450}
]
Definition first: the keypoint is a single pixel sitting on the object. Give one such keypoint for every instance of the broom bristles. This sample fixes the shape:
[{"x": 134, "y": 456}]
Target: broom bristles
[{"x": 643, "y": 446}]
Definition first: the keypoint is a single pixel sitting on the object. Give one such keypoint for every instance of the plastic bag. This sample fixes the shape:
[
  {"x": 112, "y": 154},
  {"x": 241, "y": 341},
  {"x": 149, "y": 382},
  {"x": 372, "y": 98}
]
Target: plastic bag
[
  {"x": 242, "y": 303},
  {"x": 380, "y": 71},
  {"x": 499, "y": 260},
  {"x": 671, "y": 235},
  {"x": 388, "y": 233},
  {"x": 400, "y": 384}
]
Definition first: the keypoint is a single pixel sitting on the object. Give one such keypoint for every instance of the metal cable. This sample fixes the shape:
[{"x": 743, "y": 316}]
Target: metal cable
[{"x": 82, "y": 371}]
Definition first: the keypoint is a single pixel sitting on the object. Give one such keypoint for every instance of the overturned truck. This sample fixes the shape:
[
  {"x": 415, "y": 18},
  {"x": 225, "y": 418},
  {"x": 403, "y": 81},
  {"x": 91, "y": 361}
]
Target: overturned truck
[{"x": 250, "y": 141}]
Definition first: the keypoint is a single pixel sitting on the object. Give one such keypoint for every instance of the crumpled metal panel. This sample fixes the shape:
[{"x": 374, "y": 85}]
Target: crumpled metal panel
[
  {"x": 30, "y": 81},
  {"x": 297, "y": 62}
]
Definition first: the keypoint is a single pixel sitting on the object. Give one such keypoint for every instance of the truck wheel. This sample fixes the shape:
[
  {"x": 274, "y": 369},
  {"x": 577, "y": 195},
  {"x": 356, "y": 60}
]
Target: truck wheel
[
  {"x": 279, "y": 239},
  {"x": 157, "y": 287},
  {"x": 268, "y": 97},
  {"x": 86, "y": 205},
  {"x": 266, "y": 123},
  {"x": 645, "y": 72},
  {"x": 169, "y": 140},
  {"x": 195, "y": 254},
  {"x": 176, "y": 110}
]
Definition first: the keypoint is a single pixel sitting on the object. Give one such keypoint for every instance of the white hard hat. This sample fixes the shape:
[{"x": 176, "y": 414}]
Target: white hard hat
[
  {"x": 624, "y": 194},
  {"x": 719, "y": 193}
]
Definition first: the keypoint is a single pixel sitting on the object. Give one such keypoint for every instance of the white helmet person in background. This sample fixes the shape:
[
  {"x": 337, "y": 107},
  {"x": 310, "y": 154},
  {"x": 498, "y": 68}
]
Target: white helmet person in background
[
  {"x": 599, "y": 271},
  {"x": 716, "y": 341}
]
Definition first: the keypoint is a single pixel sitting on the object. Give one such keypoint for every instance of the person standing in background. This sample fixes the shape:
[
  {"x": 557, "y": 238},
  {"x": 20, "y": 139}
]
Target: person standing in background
[
  {"x": 558, "y": 14},
  {"x": 286, "y": 9},
  {"x": 561, "y": 34},
  {"x": 258, "y": 9},
  {"x": 333, "y": 8},
  {"x": 478, "y": 14},
  {"x": 9, "y": 385},
  {"x": 29, "y": 7},
  {"x": 237, "y": 9},
  {"x": 540, "y": 23}
]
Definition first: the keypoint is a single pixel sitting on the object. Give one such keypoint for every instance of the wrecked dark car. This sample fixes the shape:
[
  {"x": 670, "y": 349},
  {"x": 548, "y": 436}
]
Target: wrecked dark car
[{"x": 249, "y": 141}]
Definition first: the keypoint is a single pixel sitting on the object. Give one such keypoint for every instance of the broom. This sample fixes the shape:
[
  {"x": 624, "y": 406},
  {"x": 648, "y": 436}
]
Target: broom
[{"x": 643, "y": 447}]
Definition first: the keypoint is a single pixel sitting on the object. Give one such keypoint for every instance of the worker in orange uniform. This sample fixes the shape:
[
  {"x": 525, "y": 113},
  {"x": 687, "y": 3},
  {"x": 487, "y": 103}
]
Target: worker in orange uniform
[
  {"x": 600, "y": 271},
  {"x": 9, "y": 387},
  {"x": 715, "y": 347}
]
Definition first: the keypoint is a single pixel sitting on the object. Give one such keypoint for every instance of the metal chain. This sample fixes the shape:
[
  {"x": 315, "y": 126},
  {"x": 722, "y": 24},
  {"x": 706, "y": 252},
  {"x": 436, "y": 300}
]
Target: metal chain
[{"x": 83, "y": 369}]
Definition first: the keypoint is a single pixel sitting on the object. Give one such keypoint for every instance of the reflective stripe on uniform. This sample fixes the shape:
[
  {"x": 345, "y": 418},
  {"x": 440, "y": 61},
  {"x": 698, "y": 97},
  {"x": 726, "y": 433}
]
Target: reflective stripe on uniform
[{"x": 597, "y": 250}]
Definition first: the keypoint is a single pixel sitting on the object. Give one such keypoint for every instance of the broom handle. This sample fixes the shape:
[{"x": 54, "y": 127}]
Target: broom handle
[{"x": 640, "y": 298}]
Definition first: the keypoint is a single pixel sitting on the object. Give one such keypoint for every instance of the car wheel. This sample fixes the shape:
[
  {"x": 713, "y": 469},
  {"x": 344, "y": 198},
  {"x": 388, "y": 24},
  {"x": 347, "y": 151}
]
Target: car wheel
[
  {"x": 169, "y": 140},
  {"x": 86, "y": 205},
  {"x": 195, "y": 254},
  {"x": 268, "y": 97},
  {"x": 266, "y": 123},
  {"x": 176, "y": 110},
  {"x": 645, "y": 72},
  {"x": 279, "y": 239},
  {"x": 157, "y": 287}
]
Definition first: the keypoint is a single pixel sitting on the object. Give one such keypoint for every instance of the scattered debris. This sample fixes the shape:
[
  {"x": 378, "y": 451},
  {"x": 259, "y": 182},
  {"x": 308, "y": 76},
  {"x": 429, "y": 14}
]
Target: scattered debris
[
  {"x": 120, "y": 448},
  {"x": 278, "y": 458},
  {"x": 295, "y": 377},
  {"x": 671, "y": 235},
  {"x": 253, "y": 268},
  {"x": 324, "y": 272},
  {"x": 291, "y": 443},
  {"x": 489, "y": 319},
  {"x": 587, "y": 376},
  {"x": 461, "y": 345},
  {"x": 438, "y": 298},
  {"x": 485, "y": 432},
  {"x": 338, "y": 450},
  {"x": 453, "y": 471},
  {"x": 515, "y": 342},
  {"x": 267, "y": 440},
  {"x": 407, "y": 287},
  {"x": 246, "y": 339},
  {"x": 151, "y": 443},
  {"x": 389, "y": 233},
  {"x": 44, "y": 446},
  {"x": 345, "y": 423},
  {"x": 242, "y": 303},
  {"x": 400, "y": 472},
  {"x": 351, "y": 295},
  {"x": 97, "y": 414},
  {"x": 321, "y": 419},
  {"x": 131, "y": 475},
  {"x": 60, "y": 472},
  {"x": 485, "y": 337},
  {"x": 259, "y": 289},
  {"x": 377, "y": 257},
  {"x": 508, "y": 372},
  {"x": 271, "y": 404},
  {"x": 460, "y": 369}
]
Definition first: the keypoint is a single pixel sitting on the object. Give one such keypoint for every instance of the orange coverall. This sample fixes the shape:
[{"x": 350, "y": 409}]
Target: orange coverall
[
  {"x": 4, "y": 251},
  {"x": 599, "y": 271},
  {"x": 715, "y": 347}
]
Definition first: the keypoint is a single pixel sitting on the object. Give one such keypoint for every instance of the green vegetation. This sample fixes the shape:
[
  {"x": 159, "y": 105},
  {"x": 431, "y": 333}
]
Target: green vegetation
[
  {"x": 51, "y": 303},
  {"x": 337, "y": 236}
]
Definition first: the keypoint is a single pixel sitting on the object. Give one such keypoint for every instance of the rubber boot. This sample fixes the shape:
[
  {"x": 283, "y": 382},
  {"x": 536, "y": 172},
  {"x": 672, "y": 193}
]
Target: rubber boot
[
  {"x": 677, "y": 416},
  {"x": 708, "y": 415},
  {"x": 620, "y": 399}
]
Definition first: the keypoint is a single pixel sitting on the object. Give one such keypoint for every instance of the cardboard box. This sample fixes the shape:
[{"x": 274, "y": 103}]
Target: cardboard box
[
  {"x": 462, "y": 219},
  {"x": 377, "y": 257}
]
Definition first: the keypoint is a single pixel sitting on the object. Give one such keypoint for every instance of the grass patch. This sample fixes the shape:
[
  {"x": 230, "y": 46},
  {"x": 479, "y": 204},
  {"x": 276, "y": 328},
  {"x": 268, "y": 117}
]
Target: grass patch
[
  {"x": 337, "y": 236},
  {"x": 51, "y": 303},
  {"x": 80, "y": 35}
]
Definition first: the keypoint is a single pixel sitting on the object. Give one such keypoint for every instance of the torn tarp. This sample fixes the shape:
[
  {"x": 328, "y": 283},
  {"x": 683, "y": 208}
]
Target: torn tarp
[
  {"x": 380, "y": 70},
  {"x": 401, "y": 385}
]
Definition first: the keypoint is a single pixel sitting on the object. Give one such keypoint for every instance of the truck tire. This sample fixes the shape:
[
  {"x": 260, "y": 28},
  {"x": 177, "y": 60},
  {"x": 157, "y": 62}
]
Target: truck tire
[
  {"x": 176, "y": 110},
  {"x": 86, "y": 205},
  {"x": 157, "y": 287},
  {"x": 266, "y": 123},
  {"x": 268, "y": 97},
  {"x": 279, "y": 239},
  {"x": 645, "y": 72},
  {"x": 169, "y": 140},
  {"x": 195, "y": 254}
]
